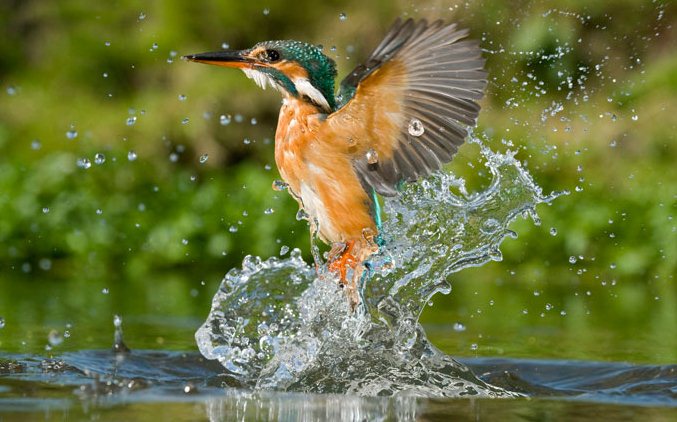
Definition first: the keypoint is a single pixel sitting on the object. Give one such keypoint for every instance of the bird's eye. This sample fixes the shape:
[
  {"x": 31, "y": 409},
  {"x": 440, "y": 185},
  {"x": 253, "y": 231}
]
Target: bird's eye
[{"x": 271, "y": 55}]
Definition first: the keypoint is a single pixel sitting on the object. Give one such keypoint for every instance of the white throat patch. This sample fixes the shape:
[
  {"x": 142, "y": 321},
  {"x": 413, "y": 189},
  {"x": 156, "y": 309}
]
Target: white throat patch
[
  {"x": 260, "y": 78},
  {"x": 304, "y": 87}
]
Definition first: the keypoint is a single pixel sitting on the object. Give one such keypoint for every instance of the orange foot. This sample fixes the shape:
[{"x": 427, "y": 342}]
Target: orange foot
[{"x": 342, "y": 260}]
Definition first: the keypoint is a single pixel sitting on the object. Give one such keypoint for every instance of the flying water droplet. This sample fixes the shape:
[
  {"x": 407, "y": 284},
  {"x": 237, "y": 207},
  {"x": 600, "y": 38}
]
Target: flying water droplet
[
  {"x": 232, "y": 229},
  {"x": 572, "y": 259},
  {"x": 131, "y": 156},
  {"x": 343, "y": 17},
  {"x": 283, "y": 250},
  {"x": 301, "y": 214},
  {"x": 553, "y": 231},
  {"x": 84, "y": 163},
  {"x": 225, "y": 119},
  {"x": 45, "y": 210},
  {"x": 131, "y": 121},
  {"x": 2, "y": 322},
  {"x": 54, "y": 338},
  {"x": 458, "y": 327},
  {"x": 36, "y": 144},
  {"x": 266, "y": 12},
  {"x": 99, "y": 158},
  {"x": 142, "y": 16},
  {"x": 279, "y": 185},
  {"x": 182, "y": 97},
  {"x": 72, "y": 133},
  {"x": 268, "y": 211},
  {"x": 416, "y": 127},
  {"x": 372, "y": 157},
  {"x": 204, "y": 158}
]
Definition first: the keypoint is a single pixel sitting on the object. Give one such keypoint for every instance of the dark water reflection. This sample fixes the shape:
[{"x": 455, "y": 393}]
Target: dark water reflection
[{"x": 145, "y": 385}]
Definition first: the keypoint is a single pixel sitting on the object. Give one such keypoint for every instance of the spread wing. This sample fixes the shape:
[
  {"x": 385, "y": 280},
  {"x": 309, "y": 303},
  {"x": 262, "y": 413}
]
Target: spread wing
[{"x": 407, "y": 109}]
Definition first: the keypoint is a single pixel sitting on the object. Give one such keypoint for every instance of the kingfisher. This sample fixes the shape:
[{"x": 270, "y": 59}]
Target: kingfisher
[{"x": 397, "y": 117}]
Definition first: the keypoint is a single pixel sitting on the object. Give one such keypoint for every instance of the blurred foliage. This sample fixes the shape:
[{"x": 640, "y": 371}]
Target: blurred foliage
[{"x": 585, "y": 92}]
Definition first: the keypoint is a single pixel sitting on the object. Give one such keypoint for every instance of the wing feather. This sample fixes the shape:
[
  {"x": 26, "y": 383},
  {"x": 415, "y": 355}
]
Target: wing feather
[{"x": 425, "y": 72}]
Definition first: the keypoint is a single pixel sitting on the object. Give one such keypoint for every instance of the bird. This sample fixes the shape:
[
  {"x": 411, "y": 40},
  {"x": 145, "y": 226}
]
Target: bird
[{"x": 397, "y": 117}]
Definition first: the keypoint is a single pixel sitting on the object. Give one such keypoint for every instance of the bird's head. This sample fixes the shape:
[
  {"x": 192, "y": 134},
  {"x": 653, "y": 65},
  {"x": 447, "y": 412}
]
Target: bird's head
[{"x": 295, "y": 68}]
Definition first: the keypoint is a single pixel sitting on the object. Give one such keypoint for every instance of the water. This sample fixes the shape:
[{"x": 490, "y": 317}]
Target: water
[
  {"x": 103, "y": 385},
  {"x": 279, "y": 324}
]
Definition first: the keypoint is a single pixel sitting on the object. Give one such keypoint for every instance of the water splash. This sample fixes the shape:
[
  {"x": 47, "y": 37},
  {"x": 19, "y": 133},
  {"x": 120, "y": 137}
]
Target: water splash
[{"x": 279, "y": 324}]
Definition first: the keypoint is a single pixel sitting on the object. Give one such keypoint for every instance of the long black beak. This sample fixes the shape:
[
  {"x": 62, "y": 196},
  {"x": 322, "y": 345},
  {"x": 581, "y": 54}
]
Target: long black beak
[{"x": 228, "y": 58}]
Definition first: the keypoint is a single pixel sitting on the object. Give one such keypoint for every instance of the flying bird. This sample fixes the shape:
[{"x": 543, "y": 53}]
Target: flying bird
[{"x": 398, "y": 117}]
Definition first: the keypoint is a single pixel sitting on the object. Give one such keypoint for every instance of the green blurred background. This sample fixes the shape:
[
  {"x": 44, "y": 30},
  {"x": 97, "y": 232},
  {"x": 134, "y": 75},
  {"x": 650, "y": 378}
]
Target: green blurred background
[{"x": 130, "y": 180}]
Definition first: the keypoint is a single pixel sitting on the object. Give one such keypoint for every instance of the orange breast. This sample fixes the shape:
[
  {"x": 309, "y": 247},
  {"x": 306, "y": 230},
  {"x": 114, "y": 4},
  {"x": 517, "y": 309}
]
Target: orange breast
[{"x": 314, "y": 161}]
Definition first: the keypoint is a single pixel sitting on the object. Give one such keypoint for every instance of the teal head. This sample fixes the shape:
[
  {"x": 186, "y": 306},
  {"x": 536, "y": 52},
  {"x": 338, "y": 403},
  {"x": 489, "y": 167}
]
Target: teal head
[{"x": 295, "y": 68}]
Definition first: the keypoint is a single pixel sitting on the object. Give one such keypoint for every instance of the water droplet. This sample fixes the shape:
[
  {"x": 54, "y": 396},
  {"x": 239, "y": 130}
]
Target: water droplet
[
  {"x": 72, "y": 133},
  {"x": 182, "y": 97},
  {"x": 548, "y": 307},
  {"x": 142, "y": 16},
  {"x": 266, "y": 11},
  {"x": 204, "y": 158},
  {"x": 2, "y": 322},
  {"x": 474, "y": 346},
  {"x": 553, "y": 231},
  {"x": 131, "y": 120},
  {"x": 268, "y": 211},
  {"x": 416, "y": 127},
  {"x": 612, "y": 144},
  {"x": 11, "y": 90},
  {"x": 225, "y": 45},
  {"x": 612, "y": 266},
  {"x": 283, "y": 250},
  {"x": 458, "y": 327},
  {"x": 104, "y": 74},
  {"x": 490, "y": 226},
  {"x": 153, "y": 47},
  {"x": 99, "y": 158},
  {"x": 84, "y": 163},
  {"x": 253, "y": 121},
  {"x": 279, "y": 185},
  {"x": 36, "y": 144},
  {"x": 225, "y": 119},
  {"x": 301, "y": 214},
  {"x": 45, "y": 210},
  {"x": 635, "y": 118},
  {"x": 99, "y": 211},
  {"x": 343, "y": 17},
  {"x": 105, "y": 290},
  {"x": 372, "y": 157},
  {"x": 572, "y": 259},
  {"x": 107, "y": 43},
  {"x": 232, "y": 229},
  {"x": 184, "y": 241},
  {"x": 54, "y": 338},
  {"x": 131, "y": 156},
  {"x": 185, "y": 121},
  {"x": 45, "y": 264}
]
